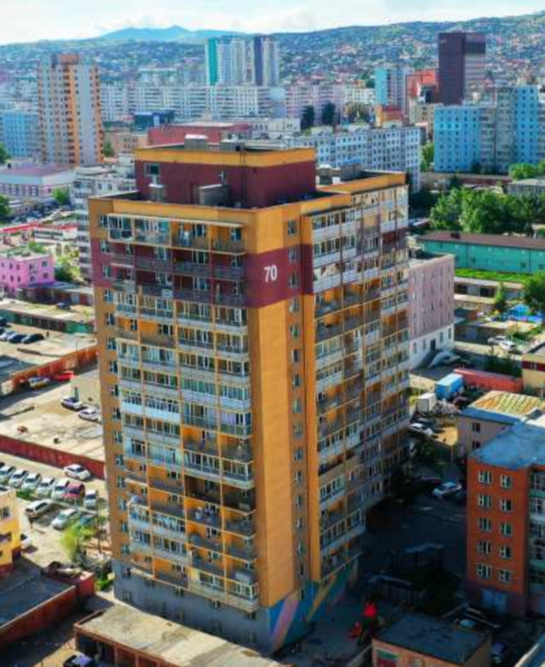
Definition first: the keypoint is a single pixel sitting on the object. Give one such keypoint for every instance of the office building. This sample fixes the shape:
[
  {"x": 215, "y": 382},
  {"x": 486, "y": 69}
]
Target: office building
[
  {"x": 99, "y": 181},
  {"x": 381, "y": 149},
  {"x": 505, "y": 520},
  {"x": 462, "y": 66},
  {"x": 10, "y": 530},
  {"x": 239, "y": 61},
  {"x": 253, "y": 340},
  {"x": 19, "y": 133},
  {"x": 391, "y": 87},
  {"x": 69, "y": 108},
  {"x": 431, "y": 307}
]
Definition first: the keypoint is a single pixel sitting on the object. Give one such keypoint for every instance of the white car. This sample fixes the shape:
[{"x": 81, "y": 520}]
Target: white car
[
  {"x": 90, "y": 501},
  {"x": 446, "y": 489},
  {"x": 6, "y": 471},
  {"x": 508, "y": 346},
  {"x": 64, "y": 518},
  {"x": 32, "y": 482},
  {"x": 37, "y": 508},
  {"x": 77, "y": 472},
  {"x": 17, "y": 479},
  {"x": 421, "y": 429},
  {"x": 45, "y": 487},
  {"x": 89, "y": 415},
  {"x": 59, "y": 490},
  {"x": 497, "y": 340}
]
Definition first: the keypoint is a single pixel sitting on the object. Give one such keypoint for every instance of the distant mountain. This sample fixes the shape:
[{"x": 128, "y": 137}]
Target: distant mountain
[{"x": 173, "y": 34}]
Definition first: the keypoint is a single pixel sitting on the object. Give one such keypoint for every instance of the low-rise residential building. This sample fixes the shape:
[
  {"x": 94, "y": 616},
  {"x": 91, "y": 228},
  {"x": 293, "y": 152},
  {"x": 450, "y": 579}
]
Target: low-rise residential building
[
  {"x": 528, "y": 186},
  {"x": 489, "y": 252},
  {"x": 431, "y": 306},
  {"x": 489, "y": 415},
  {"x": 506, "y": 520},
  {"x": 533, "y": 370},
  {"x": 10, "y": 530},
  {"x": 35, "y": 182},
  {"x": 416, "y": 639},
  {"x": 22, "y": 267}
]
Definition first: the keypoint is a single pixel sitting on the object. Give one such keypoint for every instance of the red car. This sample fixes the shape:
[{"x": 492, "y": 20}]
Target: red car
[
  {"x": 64, "y": 377},
  {"x": 75, "y": 491}
]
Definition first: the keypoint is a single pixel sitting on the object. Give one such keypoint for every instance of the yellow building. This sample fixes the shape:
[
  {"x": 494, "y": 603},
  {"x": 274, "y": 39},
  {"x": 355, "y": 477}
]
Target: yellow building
[
  {"x": 10, "y": 531},
  {"x": 254, "y": 365}
]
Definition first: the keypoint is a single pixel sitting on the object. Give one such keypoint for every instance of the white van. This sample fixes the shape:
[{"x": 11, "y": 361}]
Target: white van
[{"x": 38, "y": 508}]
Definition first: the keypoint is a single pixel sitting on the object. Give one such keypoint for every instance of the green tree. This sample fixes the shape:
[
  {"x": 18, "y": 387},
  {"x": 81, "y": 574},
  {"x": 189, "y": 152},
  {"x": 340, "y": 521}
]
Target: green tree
[
  {"x": 428, "y": 153},
  {"x": 519, "y": 172},
  {"x": 4, "y": 155},
  {"x": 500, "y": 300},
  {"x": 62, "y": 196},
  {"x": 308, "y": 118},
  {"x": 447, "y": 211},
  {"x": 329, "y": 114},
  {"x": 5, "y": 210},
  {"x": 66, "y": 271},
  {"x": 534, "y": 293},
  {"x": 108, "y": 149},
  {"x": 422, "y": 201}
]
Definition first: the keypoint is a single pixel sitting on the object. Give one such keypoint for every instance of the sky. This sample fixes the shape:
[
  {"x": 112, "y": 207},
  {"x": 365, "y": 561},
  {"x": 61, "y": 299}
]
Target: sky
[{"x": 29, "y": 20}]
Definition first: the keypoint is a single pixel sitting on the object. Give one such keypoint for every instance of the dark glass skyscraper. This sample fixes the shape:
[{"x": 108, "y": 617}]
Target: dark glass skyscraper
[{"x": 462, "y": 62}]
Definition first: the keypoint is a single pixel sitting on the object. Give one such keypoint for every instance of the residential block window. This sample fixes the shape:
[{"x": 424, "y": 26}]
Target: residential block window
[
  {"x": 506, "y": 529},
  {"x": 505, "y": 551},
  {"x": 506, "y": 505},
  {"x": 505, "y": 576},
  {"x": 484, "y": 548},
  {"x": 292, "y": 227},
  {"x": 506, "y": 481},
  {"x": 484, "y": 571},
  {"x": 476, "y": 427},
  {"x": 484, "y": 501},
  {"x": 485, "y": 477},
  {"x": 484, "y": 524}
]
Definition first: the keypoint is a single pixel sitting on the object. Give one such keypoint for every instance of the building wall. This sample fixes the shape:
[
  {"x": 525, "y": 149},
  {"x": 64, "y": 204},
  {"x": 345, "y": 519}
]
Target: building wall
[
  {"x": 10, "y": 530},
  {"x": 20, "y": 271},
  {"x": 389, "y": 655},
  {"x": 19, "y": 132},
  {"x": 475, "y": 433},
  {"x": 431, "y": 295},
  {"x": 533, "y": 374},
  {"x": 438, "y": 340}
]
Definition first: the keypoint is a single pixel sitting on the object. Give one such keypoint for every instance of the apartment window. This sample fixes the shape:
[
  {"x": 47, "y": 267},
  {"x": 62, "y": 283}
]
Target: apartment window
[
  {"x": 298, "y": 430},
  {"x": 126, "y": 596},
  {"x": 296, "y": 381},
  {"x": 298, "y": 476},
  {"x": 476, "y": 427},
  {"x": 295, "y": 331},
  {"x": 484, "y": 501},
  {"x": 485, "y": 477},
  {"x": 505, "y": 551},
  {"x": 110, "y": 344},
  {"x": 297, "y": 406},
  {"x": 505, "y": 576},
  {"x": 475, "y": 444},
  {"x": 292, "y": 227},
  {"x": 484, "y": 571},
  {"x": 296, "y": 356},
  {"x": 299, "y": 501},
  {"x": 506, "y": 481},
  {"x": 484, "y": 548},
  {"x": 251, "y": 615},
  {"x": 506, "y": 529},
  {"x": 294, "y": 306},
  {"x": 506, "y": 505},
  {"x": 120, "y": 482},
  {"x": 293, "y": 280},
  {"x": 119, "y": 460},
  {"x": 484, "y": 524},
  {"x": 293, "y": 253}
]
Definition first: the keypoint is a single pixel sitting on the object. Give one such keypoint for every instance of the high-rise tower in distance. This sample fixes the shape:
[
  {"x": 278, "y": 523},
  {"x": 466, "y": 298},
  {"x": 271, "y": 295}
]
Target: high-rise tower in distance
[
  {"x": 462, "y": 65},
  {"x": 254, "y": 365},
  {"x": 240, "y": 61},
  {"x": 69, "y": 110}
]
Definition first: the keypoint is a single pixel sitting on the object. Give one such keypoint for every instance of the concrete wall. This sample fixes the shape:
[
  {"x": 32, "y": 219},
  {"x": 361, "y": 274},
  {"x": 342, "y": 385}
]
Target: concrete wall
[
  {"x": 431, "y": 295},
  {"x": 408, "y": 658},
  {"x": 469, "y": 439}
]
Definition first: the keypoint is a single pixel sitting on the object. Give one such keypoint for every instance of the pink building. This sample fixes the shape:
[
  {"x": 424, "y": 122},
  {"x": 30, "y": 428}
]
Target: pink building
[
  {"x": 431, "y": 306},
  {"x": 21, "y": 267}
]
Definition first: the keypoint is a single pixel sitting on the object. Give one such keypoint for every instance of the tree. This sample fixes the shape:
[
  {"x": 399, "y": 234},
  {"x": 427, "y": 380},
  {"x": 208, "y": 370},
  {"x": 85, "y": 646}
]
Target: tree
[
  {"x": 428, "y": 153},
  {"x": 66, "y": 271},
  {"x": 534, "y": 293},
  {"x": 308, "y": 118},
  {"x": 329, "y": 114},
  {"x": 519, "y": 172},
  {"x": 108, "y": 149},
  {"x": 5, "y": 210},
  {"x": 62, "y": 196},
  {"x": 4, "y": 155},
  {"x": 500, "y": 300}
]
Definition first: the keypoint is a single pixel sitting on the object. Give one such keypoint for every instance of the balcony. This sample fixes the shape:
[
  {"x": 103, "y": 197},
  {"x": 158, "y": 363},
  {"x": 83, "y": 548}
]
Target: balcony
[
  {"x": 168, "y": 509},
  {"x": 228, "y": 246},
  {"x": 246, "y": 527},
  {"x": 153, "y": 264},
  {"x": 206, "y": 543},
  {"x": 159, "y": 341},
  {"x": 192, "y": 269},
  {"x": 204, "y": 517},
  {"x": 169, "y": 485},
  {"x": 206, "y": 566},
  {"x": 245, "y": 553},
  {"x": 187, "y": 240}
]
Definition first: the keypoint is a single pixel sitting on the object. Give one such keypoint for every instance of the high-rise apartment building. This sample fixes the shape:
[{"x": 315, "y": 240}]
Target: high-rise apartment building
[
  {"x": 239, "y": 61},
  {"x": 19, "y": 132},
  {"x": 254, "y": 353},
  {"x": 462, "y": 65},
  {"x": 69, "y": 108},
  {"x": 391, "y": 86}
]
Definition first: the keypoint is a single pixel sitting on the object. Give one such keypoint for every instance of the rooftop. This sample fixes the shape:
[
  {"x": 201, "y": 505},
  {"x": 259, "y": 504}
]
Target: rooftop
[
  {"x": 432, "y": 637},
  {"x": 496, "y": 240},
  {"x": 502, "y": 407},
  {"x": 520, "y": 446},
  {"x": 76, "y": 314},
  {"x": 37, "y": 170},
  {"x": 538, "y": 350},
  {"x": 174, "y": 644}
]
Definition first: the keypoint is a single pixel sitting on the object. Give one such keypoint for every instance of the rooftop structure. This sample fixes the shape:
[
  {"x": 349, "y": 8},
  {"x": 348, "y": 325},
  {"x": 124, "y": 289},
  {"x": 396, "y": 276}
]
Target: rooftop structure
[
  {"x": 430, "y": 637},
  {"x": 34, "y": 182},
  {"x": 151, "y": 638}
]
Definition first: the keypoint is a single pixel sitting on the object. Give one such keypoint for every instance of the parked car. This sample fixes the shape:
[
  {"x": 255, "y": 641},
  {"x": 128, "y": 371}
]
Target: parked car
[
  {"x": 89, "y": 414},
  {"x": 38, "y": 508},
  {"x": 497, "y": 340},
  {"x": 87, "y": 521},
  {"x": 508, "y": 346},
  {"x": 6, "y": 471},
  {"x": 420, "y": 429},
  {"x": 16, "y": 338},
  {"x": 90, "y": 501},
  {"x": 38, "y": 382},
  {"x": 75, "y": 491},
  {"x": 32, "y": 482},
  {"x": 64, "y": 519},
  {"x": 77, "y": 472},
  {"x": 468, "y": 623},
  {"x": 59, "y": 490},
  {"x": 63, "y": 306},
  {"x": 498, "y": 653},
  {"x": 45, "y": 487},
  {"x": 429, "y": 482},
  {"x": 32, "y": 338},
  {"x": 446, "y": 489},
  {"x": 66, "y": 376},
  {"x": 18, "y": 477},
  {"x": 79, "y": 661},
  {"x": 72, "y": 403},
  {"x": 7, "y": 335}
]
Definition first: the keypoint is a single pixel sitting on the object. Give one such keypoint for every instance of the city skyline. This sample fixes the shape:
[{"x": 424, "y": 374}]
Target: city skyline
[{"x": 59, "y": 20}]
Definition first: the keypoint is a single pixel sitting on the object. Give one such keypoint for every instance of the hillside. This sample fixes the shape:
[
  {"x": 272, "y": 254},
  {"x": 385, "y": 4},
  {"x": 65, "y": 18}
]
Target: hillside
[{"x": 174, "y": 33}]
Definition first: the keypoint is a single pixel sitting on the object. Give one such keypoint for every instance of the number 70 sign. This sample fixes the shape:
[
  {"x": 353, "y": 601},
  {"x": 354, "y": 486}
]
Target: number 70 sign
[{"x": 271, "y": 273}]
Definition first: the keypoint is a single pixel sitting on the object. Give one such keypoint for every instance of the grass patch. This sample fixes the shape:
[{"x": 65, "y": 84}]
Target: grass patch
[{"x": 498, "y": 276}]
